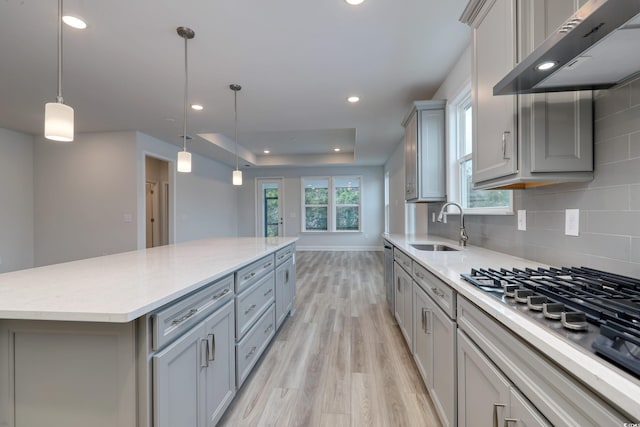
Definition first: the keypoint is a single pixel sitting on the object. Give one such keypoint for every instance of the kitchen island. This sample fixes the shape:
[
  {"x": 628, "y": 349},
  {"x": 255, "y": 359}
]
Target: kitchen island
[
  {"x": 611, "y": 385},
  {"x": 80, "y": 341}
]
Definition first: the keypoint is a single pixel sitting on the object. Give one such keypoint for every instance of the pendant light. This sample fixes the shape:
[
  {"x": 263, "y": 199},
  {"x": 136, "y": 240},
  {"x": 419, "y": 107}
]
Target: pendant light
[
  {"x": 58, "y": 117},
  {"x": 237, "y": 174},
  {"x": 184, "y": 157}
]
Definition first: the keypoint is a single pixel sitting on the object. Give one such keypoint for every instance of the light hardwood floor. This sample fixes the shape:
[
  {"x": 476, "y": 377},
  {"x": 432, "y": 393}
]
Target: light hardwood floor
[{"x": 340, "y": 360}]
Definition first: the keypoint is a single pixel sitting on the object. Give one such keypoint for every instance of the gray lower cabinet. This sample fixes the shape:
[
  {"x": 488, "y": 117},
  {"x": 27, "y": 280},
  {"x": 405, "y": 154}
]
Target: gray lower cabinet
[
  {"x": 285, "y": 281},
  {"x": 404, "y": 303},
  {"x": 486, "y": 351},
  {"x": 434, "y": 353},
  {"x": 194, "y": 378},
  {"x": 485, "y": 396}
]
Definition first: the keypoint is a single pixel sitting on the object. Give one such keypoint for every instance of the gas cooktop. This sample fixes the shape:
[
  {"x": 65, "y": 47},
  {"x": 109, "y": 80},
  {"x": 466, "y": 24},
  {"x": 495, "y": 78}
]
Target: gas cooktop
[{"x": 598, "y": 311}]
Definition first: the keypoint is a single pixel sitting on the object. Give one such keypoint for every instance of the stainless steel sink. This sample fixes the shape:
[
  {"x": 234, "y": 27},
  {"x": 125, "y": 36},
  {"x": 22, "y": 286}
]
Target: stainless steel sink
[{"x": 432, "y": 247}]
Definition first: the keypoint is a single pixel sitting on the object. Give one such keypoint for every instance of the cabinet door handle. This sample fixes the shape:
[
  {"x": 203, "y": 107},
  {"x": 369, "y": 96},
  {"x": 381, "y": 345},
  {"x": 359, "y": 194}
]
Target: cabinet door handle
[
  {"x": 495, "y": 413},
  {"x": 185, "y": 317},
  {"x": 286, "y": 276},
  {"x": 204, "y": 360},
  {"x": 221, "y": 294},
  {"x": 248, "y": 310},
  {"x": 504, "y": 144},
  {"x": 510, "y": 420},
  {"x": 212, "y": 342},
  {"x": 424, "y": 320},
  {"x": 398, "y": 280}
]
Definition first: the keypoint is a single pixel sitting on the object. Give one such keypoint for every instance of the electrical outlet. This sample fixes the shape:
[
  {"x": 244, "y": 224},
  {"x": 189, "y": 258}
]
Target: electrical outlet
[
  {"x": 127, "y": 217},
  {"x": 572, "y": 222},
  {"x": 522, "y": 220}
]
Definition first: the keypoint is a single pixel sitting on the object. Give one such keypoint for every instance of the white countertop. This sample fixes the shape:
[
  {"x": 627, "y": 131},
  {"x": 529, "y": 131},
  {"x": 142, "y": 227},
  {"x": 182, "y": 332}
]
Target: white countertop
[
  {"x": 617, "y": 386},
  {"x": 125, "y": 286}
]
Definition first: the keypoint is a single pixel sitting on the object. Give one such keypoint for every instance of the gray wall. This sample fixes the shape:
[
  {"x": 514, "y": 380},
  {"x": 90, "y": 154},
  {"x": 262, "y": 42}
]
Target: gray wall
[
  {"x": 83, "y": 190},
  {"x": 16, "y": 201},
  {"x": 609, "y": 205},
  {"x": 372, "y": 206}
]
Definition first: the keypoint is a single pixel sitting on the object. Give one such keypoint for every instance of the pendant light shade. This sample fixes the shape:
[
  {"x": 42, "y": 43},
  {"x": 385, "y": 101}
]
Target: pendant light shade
[
  {"x": 58, "y": 122},
  {"x": 237, "y": 174},
  {"x": 237, "y": 177},
  {"x": 58, "y": 118},
  {"x": 184, "y": 157},
  {"x": 184, "y": 161}
]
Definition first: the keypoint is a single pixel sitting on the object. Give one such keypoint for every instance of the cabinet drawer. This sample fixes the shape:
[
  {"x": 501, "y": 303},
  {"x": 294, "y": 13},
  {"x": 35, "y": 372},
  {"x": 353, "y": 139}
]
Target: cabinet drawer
[
  {"x": 252, "y": 303},
  {"x": 283, "y": 254},
  {"x": 248, "y": 350},
  {"x": 403, "y": 259},
  {"x": 253, "y": 272},
  {"x": 441, "y": 293},
  {"x": 175, "y": 319}
]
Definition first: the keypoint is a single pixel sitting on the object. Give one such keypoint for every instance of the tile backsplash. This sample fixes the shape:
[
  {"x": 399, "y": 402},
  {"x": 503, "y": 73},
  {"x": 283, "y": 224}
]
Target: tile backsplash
[{"x": 609, "y": 205}]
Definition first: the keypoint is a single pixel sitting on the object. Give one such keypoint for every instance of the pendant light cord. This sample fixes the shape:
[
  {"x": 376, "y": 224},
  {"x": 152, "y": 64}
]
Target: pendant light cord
[
  {"x": 59, "y": 97},
  {"x": 235, "y": 109},
  {"x": 186, "y": 88}
]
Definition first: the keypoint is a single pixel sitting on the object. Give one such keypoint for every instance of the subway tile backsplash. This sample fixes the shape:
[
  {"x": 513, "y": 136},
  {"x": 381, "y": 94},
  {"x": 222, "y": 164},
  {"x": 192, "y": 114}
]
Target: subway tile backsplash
[{"x": 609, "y": 205}]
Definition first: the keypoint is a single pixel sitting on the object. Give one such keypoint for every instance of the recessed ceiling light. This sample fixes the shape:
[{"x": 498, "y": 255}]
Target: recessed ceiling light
[
  {"x": 354, "y": 2},
  {"x": 74, "y": 22},
  {"x": 197, "y": 107},
  {"x": 353, "y": 99},
  {"x": 547, "y": 65},
  {"x": 336, "y": 149},
  {"x": 266, "y": 151}
]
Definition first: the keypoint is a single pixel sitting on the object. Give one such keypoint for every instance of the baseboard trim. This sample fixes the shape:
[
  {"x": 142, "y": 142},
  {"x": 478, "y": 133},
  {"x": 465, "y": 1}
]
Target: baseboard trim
[{"x": 339, "y": 248}]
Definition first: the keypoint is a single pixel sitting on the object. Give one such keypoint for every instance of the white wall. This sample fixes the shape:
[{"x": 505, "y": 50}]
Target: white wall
[
  {"x": 372, "y": 206},
  {"x": 205, "y": 201},
  {"x": 16, "y": 200},
  {"x": 395, "y": 167},
  {"x": 83, "y": 191}
]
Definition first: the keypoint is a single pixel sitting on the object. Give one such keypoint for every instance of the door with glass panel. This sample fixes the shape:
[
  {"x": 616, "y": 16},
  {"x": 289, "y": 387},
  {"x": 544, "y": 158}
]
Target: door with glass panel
[{"x": 270, "y": 214}]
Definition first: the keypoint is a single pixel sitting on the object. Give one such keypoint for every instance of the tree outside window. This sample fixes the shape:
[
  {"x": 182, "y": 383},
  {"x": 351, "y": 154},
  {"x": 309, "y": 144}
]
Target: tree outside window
[{"x": 331, "y": 203}]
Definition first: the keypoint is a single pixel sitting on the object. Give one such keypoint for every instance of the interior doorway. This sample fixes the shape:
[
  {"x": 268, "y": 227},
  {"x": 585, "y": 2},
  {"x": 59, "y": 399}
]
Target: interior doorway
[
  {"x": 270, "y": 212},
  {"x": 157, "y": 201}
]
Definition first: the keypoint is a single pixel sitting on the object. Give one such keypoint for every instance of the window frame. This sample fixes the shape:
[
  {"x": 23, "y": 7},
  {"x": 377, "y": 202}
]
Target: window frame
[
  {"x": 456, "y": 157},
  {"x": 331, "y": 204}
]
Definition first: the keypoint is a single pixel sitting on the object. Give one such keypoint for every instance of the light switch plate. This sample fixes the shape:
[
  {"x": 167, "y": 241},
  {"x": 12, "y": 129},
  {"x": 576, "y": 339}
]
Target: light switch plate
[
  {"x": 572, "y": 222},
  {"x": 522, "y": 220},
  {"x": 433, "y": 217}
]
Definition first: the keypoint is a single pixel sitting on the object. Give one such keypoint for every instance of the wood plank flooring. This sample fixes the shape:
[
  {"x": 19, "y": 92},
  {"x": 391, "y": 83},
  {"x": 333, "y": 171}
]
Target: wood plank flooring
[{"x": 340, "y": 360}]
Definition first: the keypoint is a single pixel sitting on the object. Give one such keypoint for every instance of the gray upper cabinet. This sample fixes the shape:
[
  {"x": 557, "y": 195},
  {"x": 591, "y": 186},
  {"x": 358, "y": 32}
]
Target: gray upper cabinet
[
  {"x": 521, "y": 141},
  {"x": 424, "y": 148}
]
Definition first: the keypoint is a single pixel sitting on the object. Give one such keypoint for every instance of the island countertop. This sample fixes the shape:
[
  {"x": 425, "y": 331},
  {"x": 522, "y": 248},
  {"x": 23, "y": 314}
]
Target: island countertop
[{"x": 122, "y": 287}]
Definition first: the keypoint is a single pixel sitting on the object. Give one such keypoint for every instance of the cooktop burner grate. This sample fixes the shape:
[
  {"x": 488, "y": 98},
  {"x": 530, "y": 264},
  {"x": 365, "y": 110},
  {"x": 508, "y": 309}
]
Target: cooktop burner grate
[{"x": 574, "y": 296}]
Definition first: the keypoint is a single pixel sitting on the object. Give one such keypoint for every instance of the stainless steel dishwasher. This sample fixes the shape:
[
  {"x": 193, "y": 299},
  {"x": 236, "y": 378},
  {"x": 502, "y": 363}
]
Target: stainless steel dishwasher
[{"x": 388, "y": 274}]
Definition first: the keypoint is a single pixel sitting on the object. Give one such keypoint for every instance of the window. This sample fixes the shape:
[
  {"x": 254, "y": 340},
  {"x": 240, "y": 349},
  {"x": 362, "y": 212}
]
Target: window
[
  {"x": 331, "y": 203},
  {"x": 486, "y": 202}
]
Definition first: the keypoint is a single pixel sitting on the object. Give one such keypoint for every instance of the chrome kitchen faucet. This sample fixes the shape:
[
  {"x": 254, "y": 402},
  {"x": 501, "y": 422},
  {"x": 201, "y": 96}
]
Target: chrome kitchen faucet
[{"x": 462, "y": 241}]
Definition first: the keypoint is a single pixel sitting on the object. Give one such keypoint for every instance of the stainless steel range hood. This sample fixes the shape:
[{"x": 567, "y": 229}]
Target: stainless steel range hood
[{"x": 596, "y": 48}]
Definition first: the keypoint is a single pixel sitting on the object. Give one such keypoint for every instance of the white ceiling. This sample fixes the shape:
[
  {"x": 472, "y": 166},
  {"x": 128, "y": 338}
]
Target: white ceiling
[{"x": 297, "y": 61}]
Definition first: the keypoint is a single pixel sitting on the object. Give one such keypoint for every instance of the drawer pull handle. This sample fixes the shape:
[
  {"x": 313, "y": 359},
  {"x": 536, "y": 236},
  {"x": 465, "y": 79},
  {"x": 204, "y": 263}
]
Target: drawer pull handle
[
  {"x": 212, "y": 342},
  {"x": 266, "y": 331},
  {"x": 185, "y": 317},
  {"x": 495, "y": 413},
  {"x": 268, "y": 292},
  {"x": 221, "y": 294},
  {"x": 248, "y": 355},
  {"x": 204, "y": 360},
  {"x": 438, "y": 292},
  {"x": 250, "y": 309},
  {"x": 419, "y": 275},
  {"x": 267, "y": 265},
  {"x": 249, "y": 276}
]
